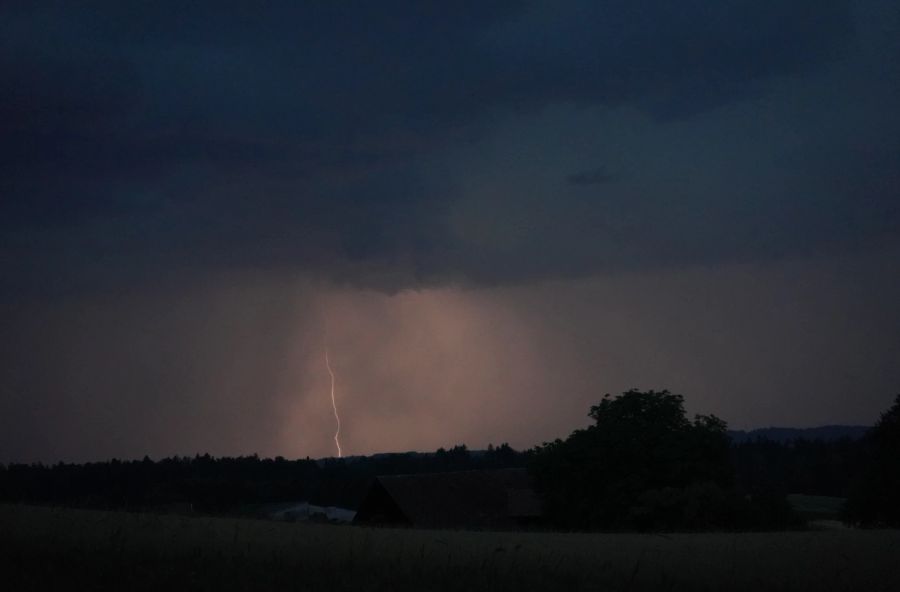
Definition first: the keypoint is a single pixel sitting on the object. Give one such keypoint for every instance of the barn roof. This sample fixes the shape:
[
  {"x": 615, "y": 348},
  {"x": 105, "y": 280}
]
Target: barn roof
[{"x": 474, "y": 499}]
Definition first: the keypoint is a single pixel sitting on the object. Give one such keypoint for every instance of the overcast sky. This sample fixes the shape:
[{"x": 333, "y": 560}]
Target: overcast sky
[{"x": 490, "y": 213}]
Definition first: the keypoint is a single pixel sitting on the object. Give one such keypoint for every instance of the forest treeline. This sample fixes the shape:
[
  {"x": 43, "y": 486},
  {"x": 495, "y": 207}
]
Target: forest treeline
[
  {"x": 641, "y": 465},
  {"x": 228, "y": 484},
  {"x": 208, "y": 484},
  {"x": 644, "y": 465}
]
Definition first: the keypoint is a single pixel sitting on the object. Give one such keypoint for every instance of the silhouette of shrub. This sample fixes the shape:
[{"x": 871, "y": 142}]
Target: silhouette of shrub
[
  {"x": 875, "y": 499},
  {"x": 644, "y": 465}
]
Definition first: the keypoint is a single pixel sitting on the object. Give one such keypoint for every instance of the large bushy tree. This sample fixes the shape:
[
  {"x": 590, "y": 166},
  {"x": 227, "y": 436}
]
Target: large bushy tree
[
  {"x": 875, "y": 500},
  {"x": 642, "y": 465}
]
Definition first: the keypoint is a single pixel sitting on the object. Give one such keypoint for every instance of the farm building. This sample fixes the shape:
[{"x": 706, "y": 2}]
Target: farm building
[{"x": 490, "y": 499}]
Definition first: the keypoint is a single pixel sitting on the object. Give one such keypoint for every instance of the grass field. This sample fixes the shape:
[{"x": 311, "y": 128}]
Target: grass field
[{"x": 63, "y": 549}]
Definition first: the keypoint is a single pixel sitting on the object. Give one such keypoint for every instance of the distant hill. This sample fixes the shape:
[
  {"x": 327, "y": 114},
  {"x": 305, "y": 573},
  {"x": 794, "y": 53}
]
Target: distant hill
[{"x": 824, "y": 433}]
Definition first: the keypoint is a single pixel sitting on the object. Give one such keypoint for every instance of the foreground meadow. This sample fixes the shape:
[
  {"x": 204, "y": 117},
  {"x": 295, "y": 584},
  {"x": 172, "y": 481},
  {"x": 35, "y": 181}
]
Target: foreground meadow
[{"x": 79, "y": 549}]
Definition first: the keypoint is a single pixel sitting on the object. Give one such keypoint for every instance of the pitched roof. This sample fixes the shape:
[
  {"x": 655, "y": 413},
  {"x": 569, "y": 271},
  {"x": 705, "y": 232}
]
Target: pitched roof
[{"x": 474, "y": 499}]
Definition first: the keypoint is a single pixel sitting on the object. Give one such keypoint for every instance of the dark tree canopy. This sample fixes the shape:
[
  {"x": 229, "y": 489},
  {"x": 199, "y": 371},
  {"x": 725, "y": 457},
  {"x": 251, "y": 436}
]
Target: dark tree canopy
[
  {"x": 643, "y": 464},
  {"x": 875, "y": 501}
]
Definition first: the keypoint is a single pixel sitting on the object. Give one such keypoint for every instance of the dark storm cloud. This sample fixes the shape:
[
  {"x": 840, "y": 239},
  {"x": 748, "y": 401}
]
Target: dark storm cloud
[
  {"x": 196, "y": 197},
  {"x": 219, "y": 135},
  {"x": 592, "y": 177}
]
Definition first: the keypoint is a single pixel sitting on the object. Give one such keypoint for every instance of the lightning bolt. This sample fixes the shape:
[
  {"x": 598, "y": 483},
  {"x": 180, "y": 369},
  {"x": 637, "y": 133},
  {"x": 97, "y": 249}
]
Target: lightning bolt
[{"x": 337, "y": 418}]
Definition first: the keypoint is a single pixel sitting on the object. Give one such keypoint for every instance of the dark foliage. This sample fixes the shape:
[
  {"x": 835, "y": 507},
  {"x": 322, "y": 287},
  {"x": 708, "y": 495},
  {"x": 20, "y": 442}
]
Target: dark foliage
[
  {"x": 643, "y": 465},
  {"x": 827, "y": 433},
  {"x": 875, "y": 498},
  {"x": 228, "y": 485},
  {"x": 205, "y": 483},
  {"x": 815, "y": 467}
]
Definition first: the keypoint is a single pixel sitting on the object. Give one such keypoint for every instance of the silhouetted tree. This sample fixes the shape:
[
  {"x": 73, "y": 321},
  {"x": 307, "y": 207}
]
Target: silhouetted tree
[
  {"x": 502, "y": 456},
  {"x": 642, "y": 465},
  {"x": 875, "y": 500}
]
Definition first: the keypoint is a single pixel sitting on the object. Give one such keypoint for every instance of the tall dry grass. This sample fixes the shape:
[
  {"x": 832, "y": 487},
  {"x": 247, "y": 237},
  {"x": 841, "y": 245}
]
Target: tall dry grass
[{"x": 77, "y": 549}]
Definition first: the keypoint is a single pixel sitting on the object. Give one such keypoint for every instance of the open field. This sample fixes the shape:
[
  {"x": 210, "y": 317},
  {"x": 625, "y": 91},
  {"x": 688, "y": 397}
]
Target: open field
[{"x": 76, "y": 549}]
